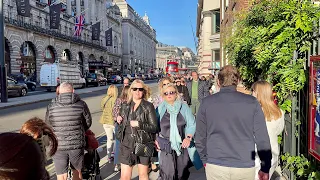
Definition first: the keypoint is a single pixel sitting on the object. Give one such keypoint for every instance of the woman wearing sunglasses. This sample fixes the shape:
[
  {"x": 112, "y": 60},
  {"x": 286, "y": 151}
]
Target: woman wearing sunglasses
[
  {"x": 136, "y": 116},
  {"x": 156, "y": 100},
  {"x": 175, "y": 140}
]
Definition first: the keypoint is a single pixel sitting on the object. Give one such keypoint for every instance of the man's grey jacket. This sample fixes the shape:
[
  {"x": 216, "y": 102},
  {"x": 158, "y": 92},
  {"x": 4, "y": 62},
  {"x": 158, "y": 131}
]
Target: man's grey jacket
[
  {"x": 203, "y": 89},
  {"x": 229, "y": 124}
]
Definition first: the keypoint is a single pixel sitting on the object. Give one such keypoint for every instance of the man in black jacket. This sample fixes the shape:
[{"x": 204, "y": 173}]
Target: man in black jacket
[
  {"x": 70, "y": 118},
  {"x": 229, "y": 125}
]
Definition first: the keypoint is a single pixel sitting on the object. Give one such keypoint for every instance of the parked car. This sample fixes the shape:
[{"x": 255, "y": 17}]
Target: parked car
[
  {"x": 15, "y": 88},
  {"x": 148, "y": 77},
  {"x": 96, "y": 79},
  {"x": 115, "y": 79},
  {"x": 141, "y": 77},
  {"x": 18, "y": 77}
]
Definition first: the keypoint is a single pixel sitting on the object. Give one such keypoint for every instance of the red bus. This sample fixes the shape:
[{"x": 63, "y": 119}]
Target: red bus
[{"x": 172, "y": 68}]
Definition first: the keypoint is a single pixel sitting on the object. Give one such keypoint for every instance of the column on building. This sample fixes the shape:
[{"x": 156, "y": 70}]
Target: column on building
[
  {"x": 87, "y": 11},
  {"x": 78, "y": 7},
  {"x": 206, "y": 61},
  {"x": 69, "y": 7},
  {"x": 93, "y": 11}
]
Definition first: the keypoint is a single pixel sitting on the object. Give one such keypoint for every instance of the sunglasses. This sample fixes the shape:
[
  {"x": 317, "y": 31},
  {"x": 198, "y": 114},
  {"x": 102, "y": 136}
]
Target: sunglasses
[
  {"x": 135, "y": 89},
  {"x": 169, "y": 93}
]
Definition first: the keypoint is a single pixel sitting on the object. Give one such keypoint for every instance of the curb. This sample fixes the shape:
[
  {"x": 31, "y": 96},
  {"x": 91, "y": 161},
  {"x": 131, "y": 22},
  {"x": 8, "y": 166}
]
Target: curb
[{"x": 43, "y": 100}]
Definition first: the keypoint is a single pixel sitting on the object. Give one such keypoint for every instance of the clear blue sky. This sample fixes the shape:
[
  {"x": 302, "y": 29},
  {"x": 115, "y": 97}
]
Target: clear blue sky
[{"x": 171, "y": 19}]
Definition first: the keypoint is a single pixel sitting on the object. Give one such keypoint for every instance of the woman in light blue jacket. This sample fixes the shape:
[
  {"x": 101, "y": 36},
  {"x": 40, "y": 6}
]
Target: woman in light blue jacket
[{"x": 175, "y": 140}]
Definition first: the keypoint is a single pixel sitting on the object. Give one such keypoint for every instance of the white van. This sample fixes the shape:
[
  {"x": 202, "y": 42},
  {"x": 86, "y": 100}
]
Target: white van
[{"x": 52, "y": 74}]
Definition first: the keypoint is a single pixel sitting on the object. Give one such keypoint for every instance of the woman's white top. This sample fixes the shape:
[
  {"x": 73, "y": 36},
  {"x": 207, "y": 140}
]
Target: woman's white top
[{"x": 275, "y": 128}]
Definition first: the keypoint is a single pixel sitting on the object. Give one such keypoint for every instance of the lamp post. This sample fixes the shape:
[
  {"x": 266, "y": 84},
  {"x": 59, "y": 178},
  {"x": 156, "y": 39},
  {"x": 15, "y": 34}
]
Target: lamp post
[{"x": 3, "y": 74}]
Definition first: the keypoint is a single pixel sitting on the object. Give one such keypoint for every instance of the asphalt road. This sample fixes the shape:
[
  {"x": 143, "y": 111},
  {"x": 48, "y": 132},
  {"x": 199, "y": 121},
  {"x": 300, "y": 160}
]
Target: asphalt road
[{"x": 11, "y": 120}]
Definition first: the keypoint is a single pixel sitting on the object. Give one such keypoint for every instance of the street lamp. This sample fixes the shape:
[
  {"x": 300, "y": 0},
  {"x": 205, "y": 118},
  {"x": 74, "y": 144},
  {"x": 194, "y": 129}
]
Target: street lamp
[{"x": 3, "y": 74}]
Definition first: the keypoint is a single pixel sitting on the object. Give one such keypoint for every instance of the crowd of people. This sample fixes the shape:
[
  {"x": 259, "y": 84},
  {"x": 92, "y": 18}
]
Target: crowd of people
[{"x": 192, "y": 121}]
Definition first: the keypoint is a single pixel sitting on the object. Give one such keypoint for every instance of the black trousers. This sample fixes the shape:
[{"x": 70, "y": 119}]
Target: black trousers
[{"x": 173, "y": 167}]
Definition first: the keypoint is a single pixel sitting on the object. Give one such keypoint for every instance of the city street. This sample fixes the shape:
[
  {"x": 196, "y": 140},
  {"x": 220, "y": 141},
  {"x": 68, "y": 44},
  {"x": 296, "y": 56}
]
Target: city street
[{"x": 12, "y": 118}]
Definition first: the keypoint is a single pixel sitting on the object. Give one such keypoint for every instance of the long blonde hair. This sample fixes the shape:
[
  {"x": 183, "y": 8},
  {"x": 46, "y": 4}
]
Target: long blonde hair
[
  {"x": 264, "y": 95},
  {"x": 112, "y": 91},
  {"x": 146, "y": 92}
]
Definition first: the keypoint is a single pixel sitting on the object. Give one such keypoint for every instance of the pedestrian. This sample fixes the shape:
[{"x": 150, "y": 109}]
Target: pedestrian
[
  {"x": 229, "y": 124},
  {"x": 274, "y": 118},
  {"x": 115, "y": 113},
  {"x": 183, "y": 91},
  {"x": 126, "y": 82},
  {"x": 106, "y": 118},
  {"x": 197, "y": 90},
  {"x": 42, "y": 133},
  {"x": 69, "y": 118},
  {"x": 137, "y": 128},
  {"x": 157, "y": 99},
  {"x": 177, "y": 126},
  {"x": 57, "y": 89},
  {"x": 183, "y": 82},
  {"x": 21, "y": 158}
]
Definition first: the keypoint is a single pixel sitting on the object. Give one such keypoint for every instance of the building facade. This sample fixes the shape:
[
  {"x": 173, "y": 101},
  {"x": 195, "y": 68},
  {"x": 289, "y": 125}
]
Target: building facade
[
  {"x": 228, "y": 10},
  {"x": 167, "y": 53},
  {"x": 139, "y": 40},
  {"x": 29, "y": 42},
  {"x": 208, "y": 33}
]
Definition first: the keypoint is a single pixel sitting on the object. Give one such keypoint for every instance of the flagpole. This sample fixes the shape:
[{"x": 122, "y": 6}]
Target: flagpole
[{"x": 3, "y": 74}]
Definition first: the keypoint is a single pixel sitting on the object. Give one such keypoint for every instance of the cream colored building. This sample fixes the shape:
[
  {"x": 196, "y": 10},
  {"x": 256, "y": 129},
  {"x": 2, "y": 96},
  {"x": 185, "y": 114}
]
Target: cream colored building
[
  {"x": 167, "y": 53},
  {"x": 29, "y": 42},
  {"x": 139, "y": 40},
  {"x": 208, "y": 33}
]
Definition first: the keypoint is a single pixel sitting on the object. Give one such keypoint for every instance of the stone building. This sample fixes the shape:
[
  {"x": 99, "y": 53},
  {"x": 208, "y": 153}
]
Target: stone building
[
  {"x": 208, "y": 33},
  {"x": 167, "y": 53},
  {"x": 139, "y": 40},
  {"x": 29, "y": 42}
]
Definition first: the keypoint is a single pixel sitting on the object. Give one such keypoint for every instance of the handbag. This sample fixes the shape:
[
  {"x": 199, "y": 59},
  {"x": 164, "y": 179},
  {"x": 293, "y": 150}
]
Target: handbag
[{"x": 165, "y": 145}]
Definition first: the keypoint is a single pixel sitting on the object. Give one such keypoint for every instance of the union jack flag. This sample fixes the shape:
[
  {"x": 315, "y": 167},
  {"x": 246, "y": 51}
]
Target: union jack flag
[{"x": 79, "y": 24}]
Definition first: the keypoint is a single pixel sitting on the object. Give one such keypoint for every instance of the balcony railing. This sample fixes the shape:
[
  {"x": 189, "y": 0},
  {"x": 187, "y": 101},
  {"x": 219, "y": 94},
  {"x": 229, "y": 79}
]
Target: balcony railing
[{"x": 50, "y": 32}]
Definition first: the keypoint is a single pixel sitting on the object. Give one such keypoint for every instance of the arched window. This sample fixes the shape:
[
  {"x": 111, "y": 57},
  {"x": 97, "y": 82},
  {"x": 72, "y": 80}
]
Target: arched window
[{"x": 115, "y": 44}]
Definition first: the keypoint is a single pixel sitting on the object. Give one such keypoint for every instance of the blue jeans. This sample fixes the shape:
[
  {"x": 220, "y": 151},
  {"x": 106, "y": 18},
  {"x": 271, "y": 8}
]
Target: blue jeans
[{"x": 116, "y": 147}]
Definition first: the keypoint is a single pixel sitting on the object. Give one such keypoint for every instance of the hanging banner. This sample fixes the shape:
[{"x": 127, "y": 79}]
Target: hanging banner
[
  {"x": 96, "y": 31},
  {"x": 23, "y": 8},
  {"x": 55, "y": 16},
  {"x": 109, "y": 37}
]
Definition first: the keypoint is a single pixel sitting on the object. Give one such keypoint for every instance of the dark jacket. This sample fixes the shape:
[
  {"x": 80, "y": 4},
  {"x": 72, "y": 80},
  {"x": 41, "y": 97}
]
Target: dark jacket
[
  {"x": 184, "y": 90},
  {"x": 146, "y": 116},
  {"x": 203, "y": 90},
  {"x": 69, "y": 117},
  {"x": 228, "y": 126}
]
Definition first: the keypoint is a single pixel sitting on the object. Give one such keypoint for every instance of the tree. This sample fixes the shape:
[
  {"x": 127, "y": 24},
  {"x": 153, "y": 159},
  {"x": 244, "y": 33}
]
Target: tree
[{"x": 265, "y": 39}]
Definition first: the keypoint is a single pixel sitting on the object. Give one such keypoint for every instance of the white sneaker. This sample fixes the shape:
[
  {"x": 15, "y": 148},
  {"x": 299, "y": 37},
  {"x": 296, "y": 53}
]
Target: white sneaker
[{"x": 117, "y": 168}]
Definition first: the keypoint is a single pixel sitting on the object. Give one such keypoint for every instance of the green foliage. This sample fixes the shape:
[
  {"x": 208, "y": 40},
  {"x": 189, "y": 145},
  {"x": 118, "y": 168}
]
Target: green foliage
[
  {"x": 263, "y": 43},
  {"x": 301, "y": 167}
]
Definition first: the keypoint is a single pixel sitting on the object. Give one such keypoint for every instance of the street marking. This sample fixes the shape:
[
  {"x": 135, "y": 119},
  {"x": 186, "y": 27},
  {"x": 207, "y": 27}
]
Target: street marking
[{"x": 111, "y": 176}]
